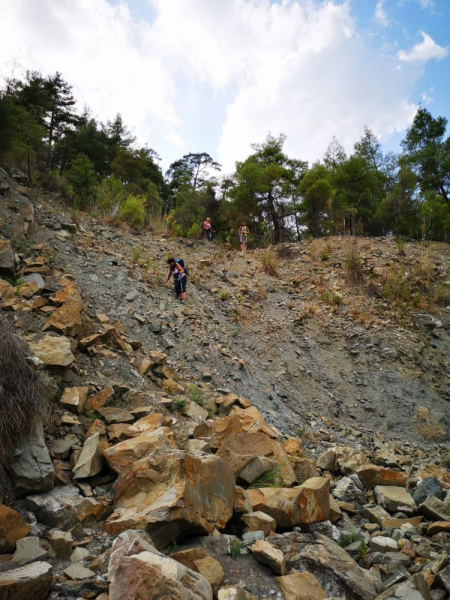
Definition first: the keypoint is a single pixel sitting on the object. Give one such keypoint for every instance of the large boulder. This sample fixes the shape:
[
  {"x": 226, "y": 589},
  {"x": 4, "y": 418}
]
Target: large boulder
[
  {"x": 300, "y": 505},
  {"x": 201, "y": 562},
  {"x": 435, "y": 509},
  {"x": 391, "y": 498},
  {"x": 30, "y": 582},
  {"x": 241, "y": 448},
  {"x": 373, "y": 475},
  {"x": 148, "y": 424},
  {"x": 7, "y": 259},
  {"x": 337, "y": 572},
  {"x": 301, "y": 586},
  {"x": 265, "y": 553},
  {"x": 12, "y": 529},
  {"x": 121, "y": 456},
  {"x": 430, "y": 486},
  {"x": 53, "y": 350},
  {"x": 136, "y": 573},
  {"x": 32, "y": 469},
  {"x": 171, "y": 494},
  {"x": 64, "y": 507}
]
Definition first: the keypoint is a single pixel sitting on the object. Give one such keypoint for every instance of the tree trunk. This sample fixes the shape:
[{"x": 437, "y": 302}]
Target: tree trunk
[{"x": 275, "y": 218}]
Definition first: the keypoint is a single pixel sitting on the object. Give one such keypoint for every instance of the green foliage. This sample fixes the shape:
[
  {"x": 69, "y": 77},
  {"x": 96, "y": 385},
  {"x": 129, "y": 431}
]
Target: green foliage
[
  {"x": 137, "y": 254},
  {"x": 132, "y": 211},
  {"x": 271, "y": 478},
  {"x": 179, "y": 404},
  {"x": 224, "y": 295},
  {"x": 83, "y": 181},
  {"x": 194, "y": 232},
  {"x": 346, "y": 540},
  {"x": 353, "y": 263},
  {"x": 111, "y": 194},
  {"x": 195, "y": 394},
  {"x": 170, "y": 548},
  {"x": 235, "y": 548}
]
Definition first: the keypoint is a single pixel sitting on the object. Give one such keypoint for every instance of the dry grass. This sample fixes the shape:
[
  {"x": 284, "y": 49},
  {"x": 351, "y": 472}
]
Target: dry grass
[
  {"x": 269, "y": 261},
  {"x": 22, "y": 395},
  {"x": 353, "y": 263}
]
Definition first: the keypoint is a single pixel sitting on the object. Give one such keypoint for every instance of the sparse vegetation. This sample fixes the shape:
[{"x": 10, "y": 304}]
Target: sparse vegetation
[
  {"x": 353, "y": 263},
  {"x": 271, "y": 478},
  {"x": 170, "y": 548},
  {"x": 400, "y": 242},
  {"x": 195, "y": 394},
  {"x": 235, "y": 548},
  {"x": 137, "y": 254},
  {"x": 179, "y": 404},
  {"x": 224, "y": 295},
  {"x": 269, "y": 261}
]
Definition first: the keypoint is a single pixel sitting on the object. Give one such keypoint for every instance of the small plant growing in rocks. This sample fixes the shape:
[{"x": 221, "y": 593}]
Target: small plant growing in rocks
[
  {"x": 271, "y": 478},
  {"x": 195, "y": 394},
  {"x": 179, "y": 404},
  {"x": 137, "y": 253},
  {"x": 269, "y": 262},
  {"x": 235, "y": 548}
]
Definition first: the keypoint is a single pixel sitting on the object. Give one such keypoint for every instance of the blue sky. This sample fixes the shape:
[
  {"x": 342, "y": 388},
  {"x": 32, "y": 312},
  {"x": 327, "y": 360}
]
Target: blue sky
[{"x": 198, "y": 75}]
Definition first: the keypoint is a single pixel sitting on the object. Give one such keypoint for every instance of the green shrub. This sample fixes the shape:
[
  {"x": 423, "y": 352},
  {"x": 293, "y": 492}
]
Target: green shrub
[
  {"x": 235, "y": 548},
  {"x": 195, "y": 394},
  {"x": 133, "y": 211},
  {"x": 194, "y": 231},
  {"x": 271, "y": 478}
]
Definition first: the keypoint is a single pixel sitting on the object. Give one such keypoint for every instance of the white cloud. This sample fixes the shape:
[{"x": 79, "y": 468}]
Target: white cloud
[
  {"x": 426, "y": 50},
  {"x": 98, "y": 49},
  {"x": 296, "y": 66},
  {"x": 380, "y": 13}
]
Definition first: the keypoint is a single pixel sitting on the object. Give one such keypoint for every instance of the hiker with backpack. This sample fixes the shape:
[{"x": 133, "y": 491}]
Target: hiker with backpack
[{"x": 178, "y": 271}]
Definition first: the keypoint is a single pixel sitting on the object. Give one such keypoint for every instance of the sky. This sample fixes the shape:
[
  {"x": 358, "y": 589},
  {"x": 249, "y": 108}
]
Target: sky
[{"x": 218, "y": 75}]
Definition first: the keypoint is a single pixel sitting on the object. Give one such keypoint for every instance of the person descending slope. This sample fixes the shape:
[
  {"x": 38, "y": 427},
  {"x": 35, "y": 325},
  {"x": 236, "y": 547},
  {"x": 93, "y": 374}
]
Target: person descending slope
[
  {"x": 178, "y": 271},
  {"x": 243, "y": 234}
]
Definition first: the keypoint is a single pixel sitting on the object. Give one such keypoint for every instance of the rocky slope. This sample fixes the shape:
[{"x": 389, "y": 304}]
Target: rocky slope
[{"x": 277, "y": 436}]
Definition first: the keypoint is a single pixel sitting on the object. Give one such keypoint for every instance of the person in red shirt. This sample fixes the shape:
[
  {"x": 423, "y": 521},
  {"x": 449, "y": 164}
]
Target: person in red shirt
[{"x": 206, "y": 227}]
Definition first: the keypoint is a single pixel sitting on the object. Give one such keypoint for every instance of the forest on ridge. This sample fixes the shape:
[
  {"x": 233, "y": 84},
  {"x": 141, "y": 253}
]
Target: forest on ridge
[{"x": 99, "y": 168}]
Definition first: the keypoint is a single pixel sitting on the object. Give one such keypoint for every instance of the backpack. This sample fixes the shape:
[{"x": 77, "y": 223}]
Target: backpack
[{"x": 180, "y": 261}]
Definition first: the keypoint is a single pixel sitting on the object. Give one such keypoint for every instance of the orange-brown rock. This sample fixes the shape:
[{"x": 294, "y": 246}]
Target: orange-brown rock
[
  {"x": 6, "y": 291},
  {"x": 118, "y": 432},
  {"x": 96, "y": 426},
  {"x": 259, "y": 521},
  {"x": 436, "y": 527},
  {"x": 304, "y": 468},
  {"x": 201, "y": 562},
  {"x": 74, "y": 398},
  {"x": 121, "y": 456},
  {"x": 300, "y": 505},
  {"x": 148, "y": 424},
  {"x": 12, "y": 528},
  {"x": 301, "y": 586},
  {"x": 99, "y": 400},
  {"x": 241, "y": 503},
  {"x": 265, "y": 553},
  {"x": 240, "y": 448},
  {"x": 166, "y": 494},
  {"x": 373, "y": 475},
  {"x": 66, "y": 320},
  {"x": 293, "y": 447}
]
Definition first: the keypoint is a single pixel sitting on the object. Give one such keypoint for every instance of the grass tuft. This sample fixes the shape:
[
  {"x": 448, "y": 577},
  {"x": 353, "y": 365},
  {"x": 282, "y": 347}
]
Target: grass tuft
[{"x": 269, "y": 261}]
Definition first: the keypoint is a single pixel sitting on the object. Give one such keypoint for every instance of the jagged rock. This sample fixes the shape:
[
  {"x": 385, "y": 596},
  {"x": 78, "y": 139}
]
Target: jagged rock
[
  {"x": 373, "y": 475},
  {"x": 61, "y": 542},
  {"x": 392, "y": 498},
  {"x": 90, "y": 461},
  {"x": 375, "y": 514},
  {"x": 12, "y": 529},
  {"x": 172, "y": 387},
  {"x": 7, "y": 260},
  {"x": 255, "y": 468},
  {"x": 96, "y": 426},
  {"x": 151, "y": 575},
  {"x": 195, "y": 412},
  {"x": 443, "y": 578},
  {"x": 80, "y": 554},
  {"x": 383, "y": 544},
  {"x": 78, "y": 572},
  {"x": 346, "y": 491},
  {"x": 148, "y": 424},
  {"x": 435, "y": 509},
  {"x": 6, "y": 291},
  {"x": 174, "y": 492},
  {"x": 304, "y": 469},
  {"x": 430, "y": 486},
  {"x": 30, "y": 582},
  {"x": 121, "y": 456},
  {"x": 66, "y": 320},
  {"x": 327, "y": 460},
  {"x": 114, "y": 414},
  {"x": 158, "y": 358},
  {"x": 336, "y": 571},
  {"x": 259, "y": 521},
  {"x": 53, "y": 350},
  {"x": 301, "y": 586},
  {"x": 439, "y": 527},
  {"x": 196, "y": 446},
  {"x": 265, "y": 553},
  {"x": 300, "y": 505},
  {"x": 414, "y": 588},
  {"x": 293, "y": 447},
  {"x": 240, "y": 448},
  {"x": 199, "y": 561},
  {"x": 326, "y": 528},
  {"x": 64, "y": 507},
  {"x": 99, "y": 400},
  {"x": 235, "y": 592},
  {"x": 74, "y": 398},
  {"x": 28, "y": 550},
  {"x": 32, "y": 470}
]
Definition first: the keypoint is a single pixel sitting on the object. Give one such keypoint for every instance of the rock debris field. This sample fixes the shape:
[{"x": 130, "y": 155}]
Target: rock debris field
[{"x": 278, "y": 436}]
